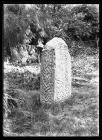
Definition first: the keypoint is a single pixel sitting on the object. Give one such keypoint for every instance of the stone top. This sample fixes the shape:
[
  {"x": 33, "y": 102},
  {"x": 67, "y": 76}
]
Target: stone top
[{"x": 55, "y": 43}]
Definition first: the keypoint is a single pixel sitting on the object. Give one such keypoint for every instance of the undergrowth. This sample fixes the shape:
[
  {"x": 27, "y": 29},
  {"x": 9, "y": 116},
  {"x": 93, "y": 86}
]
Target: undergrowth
[{"x": 27, "y": 116}]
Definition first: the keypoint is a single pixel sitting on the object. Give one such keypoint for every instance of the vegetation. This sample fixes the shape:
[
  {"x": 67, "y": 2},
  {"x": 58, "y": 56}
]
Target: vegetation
[
  {"x": 77, "y": 24},
  {"x": 24, "y": 114},
  {"x": 77, "y": 116}
]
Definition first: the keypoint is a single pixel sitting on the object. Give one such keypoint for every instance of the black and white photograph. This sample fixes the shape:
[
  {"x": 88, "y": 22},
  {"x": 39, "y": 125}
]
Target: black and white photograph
[{"x": 50, "y": 70}]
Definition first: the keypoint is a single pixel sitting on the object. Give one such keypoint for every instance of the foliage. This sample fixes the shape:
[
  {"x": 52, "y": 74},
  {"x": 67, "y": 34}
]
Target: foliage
[
  {"x": 15, "y": 24},
  {"x": 83, "y": 23},
  {"x": 79, "y": 23},
  {"x": 45, "y": 21}
]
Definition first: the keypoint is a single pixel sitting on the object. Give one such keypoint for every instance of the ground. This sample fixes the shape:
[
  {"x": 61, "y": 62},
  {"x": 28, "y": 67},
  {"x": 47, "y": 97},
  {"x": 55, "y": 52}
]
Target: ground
[{"x": 77, "y": 116}]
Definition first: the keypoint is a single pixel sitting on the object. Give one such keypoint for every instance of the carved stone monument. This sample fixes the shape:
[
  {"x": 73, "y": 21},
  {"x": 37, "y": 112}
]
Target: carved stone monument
[{"x": 55, "y": 83}]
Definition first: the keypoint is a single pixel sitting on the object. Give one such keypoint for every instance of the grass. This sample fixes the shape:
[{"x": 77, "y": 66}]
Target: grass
[{"x": 77, "y": 116}]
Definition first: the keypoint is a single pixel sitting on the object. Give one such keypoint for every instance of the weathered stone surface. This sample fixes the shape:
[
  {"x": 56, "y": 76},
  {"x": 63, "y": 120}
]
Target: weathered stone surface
[{"x": 55, "y": 83}]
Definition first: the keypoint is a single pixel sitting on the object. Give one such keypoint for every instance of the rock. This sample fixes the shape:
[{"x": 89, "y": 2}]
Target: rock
[{"x": 55, "y": 82}]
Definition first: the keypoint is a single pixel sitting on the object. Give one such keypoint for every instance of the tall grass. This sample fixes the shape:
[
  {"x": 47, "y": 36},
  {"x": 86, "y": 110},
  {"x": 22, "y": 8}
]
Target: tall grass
[{"x": 27, "y": 116}]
